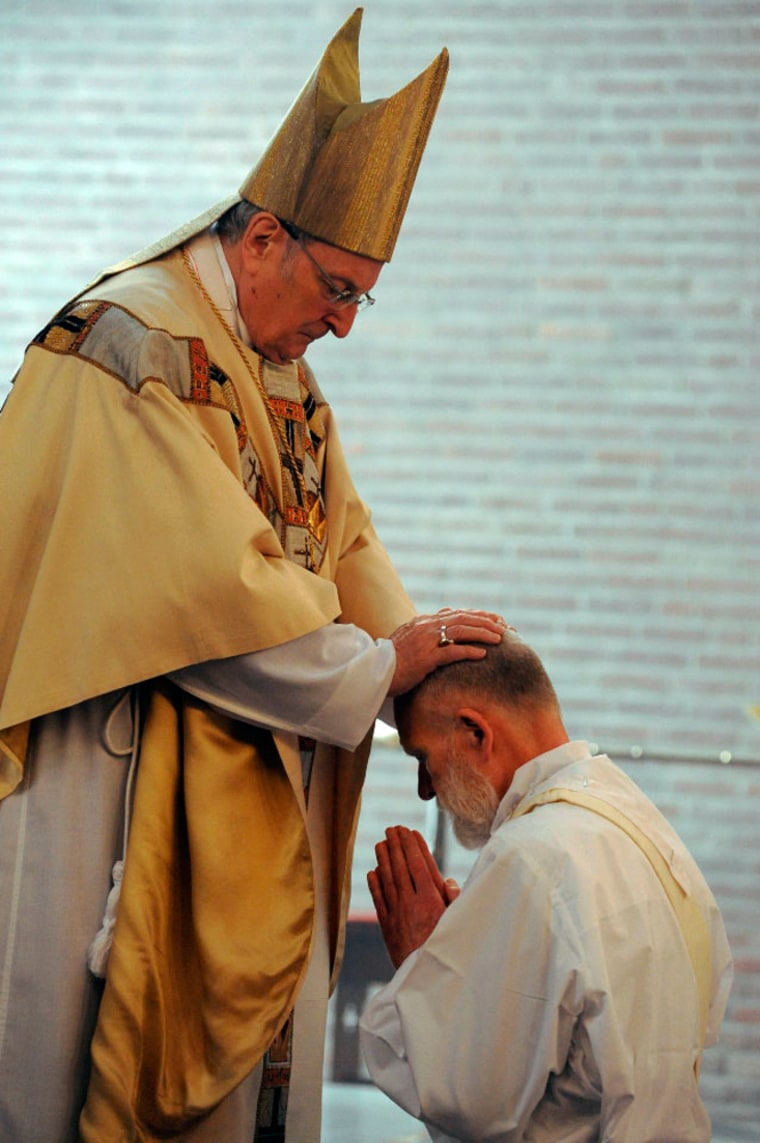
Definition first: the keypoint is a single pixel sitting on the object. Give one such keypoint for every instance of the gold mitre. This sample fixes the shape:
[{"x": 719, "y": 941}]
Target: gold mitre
[
  {"x": 340, "y": 169},
  {"x": 343, "y": 170}
]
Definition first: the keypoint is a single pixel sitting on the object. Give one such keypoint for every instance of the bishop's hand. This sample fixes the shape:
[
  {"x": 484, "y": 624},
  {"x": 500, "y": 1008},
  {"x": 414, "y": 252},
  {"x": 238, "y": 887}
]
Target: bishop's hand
[{"x": 430, "y": 641}]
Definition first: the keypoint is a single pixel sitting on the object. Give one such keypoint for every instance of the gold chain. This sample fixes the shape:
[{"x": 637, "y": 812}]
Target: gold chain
[{"x": 258, "y": 380}]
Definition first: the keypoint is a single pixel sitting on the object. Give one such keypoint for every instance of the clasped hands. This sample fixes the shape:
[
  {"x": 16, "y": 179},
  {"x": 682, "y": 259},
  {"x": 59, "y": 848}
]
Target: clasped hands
[{"x": 408, "y": 891}]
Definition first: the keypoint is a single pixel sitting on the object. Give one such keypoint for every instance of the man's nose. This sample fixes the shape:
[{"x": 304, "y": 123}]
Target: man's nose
[
  {"x": 425, "y": 787},
  {"x": 340, "y": 321}
]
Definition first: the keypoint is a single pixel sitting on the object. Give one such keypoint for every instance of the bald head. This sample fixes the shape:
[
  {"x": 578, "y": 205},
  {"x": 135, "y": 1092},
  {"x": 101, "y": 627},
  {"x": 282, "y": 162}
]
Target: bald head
[{"x": 511, "y": 675}]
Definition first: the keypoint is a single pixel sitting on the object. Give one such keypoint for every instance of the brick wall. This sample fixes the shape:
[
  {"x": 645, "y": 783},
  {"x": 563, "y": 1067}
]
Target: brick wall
[{"x": 553, "y": 409}]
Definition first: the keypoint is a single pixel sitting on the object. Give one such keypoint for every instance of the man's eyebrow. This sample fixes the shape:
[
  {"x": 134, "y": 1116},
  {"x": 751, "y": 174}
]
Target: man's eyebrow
[{"x": 348, "y": 286}]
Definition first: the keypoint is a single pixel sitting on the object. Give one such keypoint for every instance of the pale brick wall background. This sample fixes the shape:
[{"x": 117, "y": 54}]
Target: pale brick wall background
[{"x": 553, "y": 409}]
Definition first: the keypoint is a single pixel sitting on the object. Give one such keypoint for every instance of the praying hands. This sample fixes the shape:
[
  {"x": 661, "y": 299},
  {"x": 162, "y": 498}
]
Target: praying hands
[{"x": 408, "y": 891}]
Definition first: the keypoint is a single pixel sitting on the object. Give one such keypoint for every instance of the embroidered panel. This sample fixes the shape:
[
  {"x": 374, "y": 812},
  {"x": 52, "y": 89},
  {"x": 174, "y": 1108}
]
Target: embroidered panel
[
  {"x": 300, "y": 520},
  {"x": 272, "y": 1109},
  {"x": 121, "y": 345}
]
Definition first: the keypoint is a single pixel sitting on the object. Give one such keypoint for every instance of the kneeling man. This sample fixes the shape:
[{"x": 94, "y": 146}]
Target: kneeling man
[{"x": 568, "y": 991}]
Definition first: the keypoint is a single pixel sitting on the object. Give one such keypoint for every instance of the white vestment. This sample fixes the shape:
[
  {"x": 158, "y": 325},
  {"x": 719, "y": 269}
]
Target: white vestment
[{"x": 555, "y": 998}]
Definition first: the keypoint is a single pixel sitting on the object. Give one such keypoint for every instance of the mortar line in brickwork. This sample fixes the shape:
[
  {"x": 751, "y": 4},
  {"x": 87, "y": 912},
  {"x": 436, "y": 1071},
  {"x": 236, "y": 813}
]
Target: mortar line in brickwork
[{"x": 723, "y": 759}]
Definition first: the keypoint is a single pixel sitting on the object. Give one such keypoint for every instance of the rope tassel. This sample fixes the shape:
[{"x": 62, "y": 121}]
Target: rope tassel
[{"x": 100, "y": 949}]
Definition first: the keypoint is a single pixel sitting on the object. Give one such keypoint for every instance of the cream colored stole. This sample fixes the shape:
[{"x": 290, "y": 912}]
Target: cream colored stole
[
  {"x": 688, "y": 914},
  {"x": 299, "y": 1057}
]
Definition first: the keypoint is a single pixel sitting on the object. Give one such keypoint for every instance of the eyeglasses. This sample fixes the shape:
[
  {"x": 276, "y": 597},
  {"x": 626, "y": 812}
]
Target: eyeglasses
[{"x": 339, "y": 299}]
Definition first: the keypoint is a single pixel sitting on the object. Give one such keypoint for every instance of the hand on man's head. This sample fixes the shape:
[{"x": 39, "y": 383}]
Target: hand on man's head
[{"x": 430, "y": 641}]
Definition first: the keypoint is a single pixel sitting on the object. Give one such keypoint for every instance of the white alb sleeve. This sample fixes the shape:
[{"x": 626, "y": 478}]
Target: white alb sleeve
[{"x": 329, "y": 684}]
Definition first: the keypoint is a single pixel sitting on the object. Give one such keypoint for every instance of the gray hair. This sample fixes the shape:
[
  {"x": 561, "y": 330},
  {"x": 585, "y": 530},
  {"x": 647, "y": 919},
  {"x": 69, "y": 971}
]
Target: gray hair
[
  {"x": 511, "y": 673},
  {"x": 233, "y": 223}
]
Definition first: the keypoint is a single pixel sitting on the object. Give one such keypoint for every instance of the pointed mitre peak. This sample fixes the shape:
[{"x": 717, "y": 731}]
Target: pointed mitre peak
[
  {"x": 340, "y": 169},
  {"x": 343, "y": 170}
]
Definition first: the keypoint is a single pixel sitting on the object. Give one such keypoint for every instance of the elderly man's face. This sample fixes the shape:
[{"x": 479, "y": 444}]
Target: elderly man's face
[
  {"x": 469, "y": 799},
  {"x": 286, "y": 303},
  {"x": 448, "y": 774}
]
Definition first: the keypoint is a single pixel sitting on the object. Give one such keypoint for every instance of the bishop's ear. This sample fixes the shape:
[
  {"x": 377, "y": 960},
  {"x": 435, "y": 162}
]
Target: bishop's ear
[{"x": 262, "y": 234}]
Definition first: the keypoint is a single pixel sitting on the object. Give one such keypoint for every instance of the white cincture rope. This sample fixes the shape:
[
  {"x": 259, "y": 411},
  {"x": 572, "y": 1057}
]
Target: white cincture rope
[{"x": 100, "y": 949}]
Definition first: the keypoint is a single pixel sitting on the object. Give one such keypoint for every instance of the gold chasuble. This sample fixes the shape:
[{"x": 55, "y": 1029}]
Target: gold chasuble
[{"x": 188, "y": 501}]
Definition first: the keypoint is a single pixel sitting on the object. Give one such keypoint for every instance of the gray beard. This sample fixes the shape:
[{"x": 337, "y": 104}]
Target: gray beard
[{"x": 470, "y": 801}]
